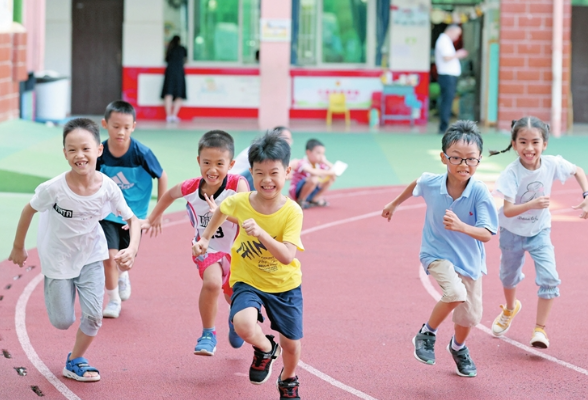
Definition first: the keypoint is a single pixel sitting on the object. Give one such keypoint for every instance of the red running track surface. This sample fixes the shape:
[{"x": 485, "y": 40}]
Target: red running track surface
[{"x": 364, "y": 301}]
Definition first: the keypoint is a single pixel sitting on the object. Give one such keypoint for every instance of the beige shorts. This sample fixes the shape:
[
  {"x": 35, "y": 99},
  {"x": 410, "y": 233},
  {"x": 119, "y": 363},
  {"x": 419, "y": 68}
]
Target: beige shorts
[{"x": 457, "y": 287}]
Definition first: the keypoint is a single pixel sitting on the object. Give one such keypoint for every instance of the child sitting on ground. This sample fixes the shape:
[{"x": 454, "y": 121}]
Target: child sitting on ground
[
  {"x": 203, "y": 194},
  {"x": 312, "y": 176}
]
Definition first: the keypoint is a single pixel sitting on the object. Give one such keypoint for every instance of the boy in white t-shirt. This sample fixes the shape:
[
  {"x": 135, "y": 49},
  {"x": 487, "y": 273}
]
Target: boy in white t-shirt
[{"x": 71, "y": 243}]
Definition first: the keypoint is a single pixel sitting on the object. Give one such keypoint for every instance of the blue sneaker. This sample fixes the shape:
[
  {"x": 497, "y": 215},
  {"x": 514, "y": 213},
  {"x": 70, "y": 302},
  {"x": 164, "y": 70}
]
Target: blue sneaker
[
  {"x": 206, "y": 345},
  {"x": 234, "y": 339}
]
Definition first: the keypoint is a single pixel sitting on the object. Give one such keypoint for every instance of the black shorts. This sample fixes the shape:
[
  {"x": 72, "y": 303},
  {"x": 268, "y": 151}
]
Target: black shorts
[
  {"x": 284, "y": 310},
  {"x": 117, "y": 238}
]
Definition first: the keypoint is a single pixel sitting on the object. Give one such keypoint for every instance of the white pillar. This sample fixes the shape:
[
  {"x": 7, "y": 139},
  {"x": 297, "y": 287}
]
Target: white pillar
[{"x": 556, "y": 66}]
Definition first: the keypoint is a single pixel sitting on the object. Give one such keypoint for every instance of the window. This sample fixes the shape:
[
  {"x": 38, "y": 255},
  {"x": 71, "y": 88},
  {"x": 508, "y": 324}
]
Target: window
[
  {"x": 175, "y": 16},
  {"x": 226, "y": 30},
  {"x": 334, "y": 32}
]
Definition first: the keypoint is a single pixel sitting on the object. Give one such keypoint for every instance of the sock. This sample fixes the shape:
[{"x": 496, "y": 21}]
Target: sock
[
  {"x": 209, "y": 330},
  {"x": 113, "y": 295},
  {"x": 427, "y": 328},
  {"x": 456, "y": 346}
]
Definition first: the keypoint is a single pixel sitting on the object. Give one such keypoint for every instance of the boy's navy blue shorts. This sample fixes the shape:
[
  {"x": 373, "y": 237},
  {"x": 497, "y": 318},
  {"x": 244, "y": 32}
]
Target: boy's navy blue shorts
[
  {"x": 117, "y": 238},
  {"x": 284, "y": 310}
]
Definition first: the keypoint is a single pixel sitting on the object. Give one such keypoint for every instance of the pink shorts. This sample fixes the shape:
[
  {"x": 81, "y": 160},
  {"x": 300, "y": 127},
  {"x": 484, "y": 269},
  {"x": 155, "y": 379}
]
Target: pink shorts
[{"x": 223, "y": 259}]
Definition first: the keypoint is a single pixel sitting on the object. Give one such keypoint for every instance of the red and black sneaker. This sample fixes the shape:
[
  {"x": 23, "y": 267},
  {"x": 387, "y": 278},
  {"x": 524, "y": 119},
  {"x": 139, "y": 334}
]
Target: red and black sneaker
[
  {"x": 261, "y": 367},
  {"x": 288, "y": 388}
]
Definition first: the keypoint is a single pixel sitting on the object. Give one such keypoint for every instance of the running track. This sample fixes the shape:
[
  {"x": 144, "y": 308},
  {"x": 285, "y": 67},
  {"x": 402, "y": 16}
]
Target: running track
[{"x": 365, "y": 297}]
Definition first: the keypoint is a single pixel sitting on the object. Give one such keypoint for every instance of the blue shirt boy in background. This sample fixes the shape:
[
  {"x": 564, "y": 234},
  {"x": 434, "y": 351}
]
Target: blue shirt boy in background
[
  {"x": 460, "y": 217},
  {"x": 133, "y": 166}
]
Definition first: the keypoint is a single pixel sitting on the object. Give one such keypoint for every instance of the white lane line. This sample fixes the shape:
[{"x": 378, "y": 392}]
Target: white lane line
[
  {"x": 437, "y": 296},
  {"x": 334, "y": 382},
  {"x": 25, "y": 342}
]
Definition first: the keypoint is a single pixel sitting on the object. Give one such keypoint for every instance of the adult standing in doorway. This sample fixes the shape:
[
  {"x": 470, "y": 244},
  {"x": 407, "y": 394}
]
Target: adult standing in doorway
[
  {"x": 448, "y": 70},
  {"x": 174, "y": 82}
]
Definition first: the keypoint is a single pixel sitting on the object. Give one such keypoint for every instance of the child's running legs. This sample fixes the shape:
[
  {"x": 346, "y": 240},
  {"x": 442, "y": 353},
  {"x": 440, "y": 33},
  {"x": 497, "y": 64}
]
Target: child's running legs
[
  {"x": 60, "y": 298},
  {"x": 212, "y": 280},
  {"x": 111, "y": 273},
  {"x": 287, "y": 380}
]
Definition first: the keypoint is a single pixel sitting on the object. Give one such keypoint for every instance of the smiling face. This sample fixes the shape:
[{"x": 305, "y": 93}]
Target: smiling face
[
  {"x": 461, "y": 173},
  {"x": 81, "y": 151},
  {"x": 119, "y": 127},
  {"x": 215, "y": 164},
  {"x": 269, "y": 178},
  {"x": 529, "y": 145}
]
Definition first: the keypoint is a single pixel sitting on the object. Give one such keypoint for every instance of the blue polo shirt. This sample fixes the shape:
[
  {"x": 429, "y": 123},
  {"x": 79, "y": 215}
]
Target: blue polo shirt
[
  {"x": 133, "y": 173},
  {"x": 475, "y": 207}
]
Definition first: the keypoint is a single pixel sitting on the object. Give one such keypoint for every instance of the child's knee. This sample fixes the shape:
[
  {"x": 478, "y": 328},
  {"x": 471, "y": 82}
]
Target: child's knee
[
  {"x": 244, "y": 326},
  {"x": 90, "y": 324},
  {"x": 289, "y": 345},
  {"x": 454, "y": 293},
  {"x": 212, "y": 285},
  {"x": 61, "y": 321},
  {"x": 548, "y": 292}
]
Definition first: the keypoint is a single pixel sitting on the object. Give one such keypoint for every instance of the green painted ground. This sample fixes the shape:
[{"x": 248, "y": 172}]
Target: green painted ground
[{"x": 32, "y": 153}]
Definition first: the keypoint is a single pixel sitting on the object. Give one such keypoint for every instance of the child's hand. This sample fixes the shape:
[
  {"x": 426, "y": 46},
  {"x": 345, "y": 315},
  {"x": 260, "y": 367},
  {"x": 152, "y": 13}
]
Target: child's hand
[
  {"x": 18, "y": 256},
  {"x": 152, "y": 226},
  {"x": 200, "y": 247},
  {"x": 452, "y": 222},
  {"x": 388, "y": 211},
  {"x": 124, "y": 259},
  {"x": 252, "y": 228},
  {"x": 211, "y": 203},
  {"x": 539, "y": 202},
  {"x": 584, "y": 207}
]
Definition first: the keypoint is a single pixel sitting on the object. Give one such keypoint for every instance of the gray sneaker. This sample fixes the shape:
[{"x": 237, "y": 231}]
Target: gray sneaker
[
  {"x": 424, "y": 347},
  {"x": 464, "y": 364}
]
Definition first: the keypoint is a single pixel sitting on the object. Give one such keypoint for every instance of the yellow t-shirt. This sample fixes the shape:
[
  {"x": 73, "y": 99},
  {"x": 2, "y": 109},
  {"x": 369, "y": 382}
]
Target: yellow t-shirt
[{"x": 251, "y": 263}]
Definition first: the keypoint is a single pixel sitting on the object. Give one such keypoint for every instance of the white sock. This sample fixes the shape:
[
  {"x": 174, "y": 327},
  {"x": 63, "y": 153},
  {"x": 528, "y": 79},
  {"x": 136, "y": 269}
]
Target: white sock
[
  {"x": 426, "y": 329},
  {"x": 113, "y": 295},
  {"x": 455, "y": 346}
]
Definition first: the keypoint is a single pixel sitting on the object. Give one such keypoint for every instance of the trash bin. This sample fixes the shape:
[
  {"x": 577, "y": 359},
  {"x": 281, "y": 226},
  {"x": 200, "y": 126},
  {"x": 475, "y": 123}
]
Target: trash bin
[
  {"x": 27, "y": 98},
  {"x": 51, "y": 92}
]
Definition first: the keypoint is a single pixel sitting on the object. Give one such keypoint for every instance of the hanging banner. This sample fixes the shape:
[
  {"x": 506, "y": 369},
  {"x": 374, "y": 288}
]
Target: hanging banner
[{"x": 410, "y": 35}]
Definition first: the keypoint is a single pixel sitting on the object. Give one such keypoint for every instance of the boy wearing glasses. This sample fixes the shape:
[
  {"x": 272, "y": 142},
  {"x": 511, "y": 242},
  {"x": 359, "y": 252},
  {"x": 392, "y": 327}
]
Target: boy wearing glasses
[{"x": 460, "y": 216}]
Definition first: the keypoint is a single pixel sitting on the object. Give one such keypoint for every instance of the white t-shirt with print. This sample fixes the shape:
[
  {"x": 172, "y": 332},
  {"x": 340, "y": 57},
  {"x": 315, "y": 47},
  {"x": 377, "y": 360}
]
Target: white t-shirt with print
[
  {"x": 520, "y": 185},
  {"x": 69, "y": 235}
]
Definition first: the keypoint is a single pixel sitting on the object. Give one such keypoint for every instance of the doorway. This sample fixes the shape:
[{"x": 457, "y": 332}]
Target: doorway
[
  {"x": 96, "y": 55},
  {"x": 580, "y": 64}
]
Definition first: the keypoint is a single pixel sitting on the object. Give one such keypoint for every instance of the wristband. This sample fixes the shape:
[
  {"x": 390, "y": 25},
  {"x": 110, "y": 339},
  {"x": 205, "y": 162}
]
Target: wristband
[{"x": 585, "y": 194}]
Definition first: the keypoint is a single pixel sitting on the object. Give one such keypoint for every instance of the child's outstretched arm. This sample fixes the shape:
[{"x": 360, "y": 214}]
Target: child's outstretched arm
[
  {"x": 161, "y": 185},
  {"x": 583, "y": 182},
  {"x": 453, "y": 223},
  {"x": 512, "y": 210},
  {"x": 153, "y": 222},
  {"x": 126, "y": 257},
  {"x": 215, "y": 222},
  {"x": 19, "y": 255},
  {"x": 284, "y": 252},
  {"x": 402, "y": 197}
]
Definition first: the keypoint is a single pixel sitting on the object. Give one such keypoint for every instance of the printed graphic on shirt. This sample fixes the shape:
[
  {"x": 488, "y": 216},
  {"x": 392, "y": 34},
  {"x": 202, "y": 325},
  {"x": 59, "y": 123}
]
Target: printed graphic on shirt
[
  {"x": 251, "y": 249},
  {"x": 64, "y": 213},
  {"x": 122, "y": 182},
  {"x": 534, "y": 190}
]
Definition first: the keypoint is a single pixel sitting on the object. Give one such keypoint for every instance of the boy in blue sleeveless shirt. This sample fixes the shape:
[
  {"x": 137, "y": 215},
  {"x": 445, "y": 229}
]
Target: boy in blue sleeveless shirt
[{"x": 133, "y": 166}]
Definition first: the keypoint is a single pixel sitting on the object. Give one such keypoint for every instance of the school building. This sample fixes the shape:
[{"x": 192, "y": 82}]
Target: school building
[{"x": 278, "y": 60}]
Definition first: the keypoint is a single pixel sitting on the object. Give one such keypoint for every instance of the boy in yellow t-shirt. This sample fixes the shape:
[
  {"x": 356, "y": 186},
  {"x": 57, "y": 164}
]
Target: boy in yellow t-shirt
[{"x": 264, "y": 270}]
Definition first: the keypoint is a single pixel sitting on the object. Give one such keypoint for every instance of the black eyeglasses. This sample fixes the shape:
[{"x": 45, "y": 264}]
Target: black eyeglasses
[{"x": 472, "y": 162}]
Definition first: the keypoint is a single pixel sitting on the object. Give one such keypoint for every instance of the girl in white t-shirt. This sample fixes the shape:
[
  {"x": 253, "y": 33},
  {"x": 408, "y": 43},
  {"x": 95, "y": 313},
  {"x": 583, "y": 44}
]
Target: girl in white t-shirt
[
  {"x": 71, "y": 243},
  {"x": 525, "y": 221}
]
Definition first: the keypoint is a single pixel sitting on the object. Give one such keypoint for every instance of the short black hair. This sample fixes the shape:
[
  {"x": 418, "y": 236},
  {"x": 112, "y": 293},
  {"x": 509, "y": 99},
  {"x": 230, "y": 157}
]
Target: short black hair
[
  {"x": 312, "y": 143},
  {"x": 271, "y": 146},
  {"x": 462, "y": 130},
  {"x": 217, "y": 139},
  {"x": 120, "y": 106},
  {"x": 82, "y": 123}
]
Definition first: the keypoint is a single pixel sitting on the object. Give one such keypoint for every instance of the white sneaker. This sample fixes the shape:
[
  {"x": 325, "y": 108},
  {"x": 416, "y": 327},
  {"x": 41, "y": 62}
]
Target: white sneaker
[
  {"x": 540, "y": 339},
  {"x": 112, "y": 310},
  {"x": 124, "y": 286}
]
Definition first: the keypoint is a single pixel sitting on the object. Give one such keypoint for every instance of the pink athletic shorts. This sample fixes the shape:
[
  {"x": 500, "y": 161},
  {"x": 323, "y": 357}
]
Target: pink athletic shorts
[{"x": 224, "y": 259}]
